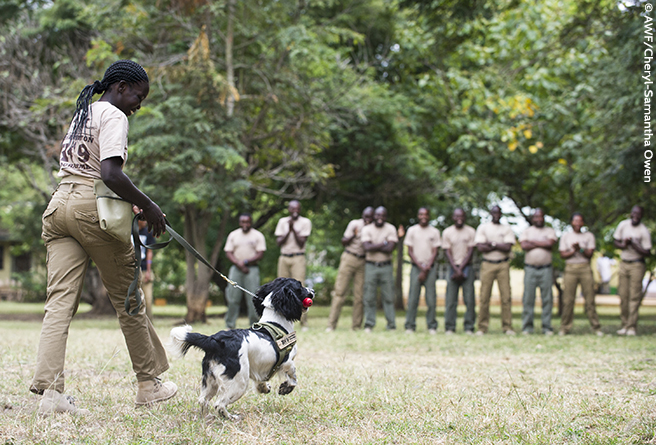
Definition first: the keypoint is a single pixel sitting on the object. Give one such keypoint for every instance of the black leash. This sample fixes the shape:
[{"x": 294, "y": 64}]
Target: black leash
[{"x": 134, "y": 286}]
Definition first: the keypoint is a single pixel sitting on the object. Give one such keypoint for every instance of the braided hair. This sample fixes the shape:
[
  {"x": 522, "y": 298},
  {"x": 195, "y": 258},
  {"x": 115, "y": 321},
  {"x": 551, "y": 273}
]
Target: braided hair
[{"x": 126, "y": 70}]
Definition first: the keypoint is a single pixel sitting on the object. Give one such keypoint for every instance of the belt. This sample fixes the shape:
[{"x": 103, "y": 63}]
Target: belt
[
  {"x": 292, "y": 254},
  {"x": 495, "y": 261},
  {"x": 537, "y": 267},
  {"x": 380, "y": 263},
  {"x": 641, "y": 260},
  {"x": 354, "y": 254},
  {"x": 75, "y": 180}
]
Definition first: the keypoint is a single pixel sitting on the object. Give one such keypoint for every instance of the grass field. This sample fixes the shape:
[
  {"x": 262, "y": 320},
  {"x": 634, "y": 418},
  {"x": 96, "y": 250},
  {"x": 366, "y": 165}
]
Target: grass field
[{"x": 355, "y": 388}]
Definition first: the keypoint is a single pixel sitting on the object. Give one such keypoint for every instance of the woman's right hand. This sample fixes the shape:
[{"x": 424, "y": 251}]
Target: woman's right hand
[{"x": 156, "y": 219}]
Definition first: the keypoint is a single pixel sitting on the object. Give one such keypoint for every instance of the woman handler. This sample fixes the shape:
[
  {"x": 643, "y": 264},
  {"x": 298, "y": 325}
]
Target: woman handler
[{"x": 96, "y": 147}]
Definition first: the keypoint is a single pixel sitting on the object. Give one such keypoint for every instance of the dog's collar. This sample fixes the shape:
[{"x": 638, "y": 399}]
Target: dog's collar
[{"x": 284, "y": 343}]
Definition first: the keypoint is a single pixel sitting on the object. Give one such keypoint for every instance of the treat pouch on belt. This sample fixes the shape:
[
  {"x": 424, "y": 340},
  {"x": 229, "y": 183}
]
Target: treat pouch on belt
[{"x": 114, "y": 213}]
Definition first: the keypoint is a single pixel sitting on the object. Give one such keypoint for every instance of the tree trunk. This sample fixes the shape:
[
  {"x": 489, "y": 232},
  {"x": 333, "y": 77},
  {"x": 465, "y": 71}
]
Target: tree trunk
[
  {"x": 197, "y": 281},
  {"x": 230, "y": 67},
  {"x": 95, "y": 294},
  {"x": 199, "y": 275}
]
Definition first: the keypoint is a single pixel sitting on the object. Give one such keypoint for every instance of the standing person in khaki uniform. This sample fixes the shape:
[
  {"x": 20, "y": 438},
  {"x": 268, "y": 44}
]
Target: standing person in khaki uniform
[
  {"x": 379, "y": 240},
  {"x": 635, "y": 241},
  {"x": 291, "y": 234},
  {"x": 244, "y": 248},
  {"x": 494, "y": 240},
  {"x": 458, "y": 244},
  {"x": 537, "y": 241},
  {"x": 576, "y": 248},
  {"x": 96, "y": 147},
  {"x": 423, "y": 243},
  {"x": 351, "y": 266}
]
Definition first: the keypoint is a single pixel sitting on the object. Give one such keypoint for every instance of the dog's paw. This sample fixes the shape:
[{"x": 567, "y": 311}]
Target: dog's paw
[
  {"x": 285, "y": 388},
  {"x": 263, "y": 387},
  {"x": 226, "y": 415}
]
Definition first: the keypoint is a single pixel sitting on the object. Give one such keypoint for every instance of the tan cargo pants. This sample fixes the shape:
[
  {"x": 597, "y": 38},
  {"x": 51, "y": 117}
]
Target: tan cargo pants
[
  {"x": 501, "y": 273},
  {"x": 350, "y": 267},
  {"x": 630, "y": 290},
  {"x": 574, "y": 275},
  {"x": 72, "y": 236}
]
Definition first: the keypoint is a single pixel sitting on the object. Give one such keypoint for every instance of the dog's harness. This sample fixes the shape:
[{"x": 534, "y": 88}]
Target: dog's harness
[{"x": 284, "y": 343}]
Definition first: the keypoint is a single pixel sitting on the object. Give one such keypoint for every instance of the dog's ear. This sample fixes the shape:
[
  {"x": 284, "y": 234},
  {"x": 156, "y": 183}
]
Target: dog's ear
[
  {"x": 259, "y": 297},
  {"x": 257, "y": 302},
  {"x": 287, "y": 298},
  {"x": 271, "y": 287}
]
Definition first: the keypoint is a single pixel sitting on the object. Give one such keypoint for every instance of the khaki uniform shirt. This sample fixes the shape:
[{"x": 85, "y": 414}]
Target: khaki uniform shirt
[
  {"x": 459, "y": 241},
  {"x": 377, "y": 235},
  {"x": 586, "y": 240},
  {"x": 495, "y": 233},
  {"x": 355, "y": 228},
  {"x": 423, "y": 240},
  {"x": 105, "y": 136},
  {"x": 538, "y": 256},
  {"x": 302, "y": 226},
  {"x": 638, "y": 233},
  {"x": 245, "y": 246}
]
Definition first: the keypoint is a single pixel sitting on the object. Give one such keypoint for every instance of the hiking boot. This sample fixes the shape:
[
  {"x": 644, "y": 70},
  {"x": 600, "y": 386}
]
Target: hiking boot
[
  {"x": 153, "y": 391},
  {"x": 54, "y": 402}
]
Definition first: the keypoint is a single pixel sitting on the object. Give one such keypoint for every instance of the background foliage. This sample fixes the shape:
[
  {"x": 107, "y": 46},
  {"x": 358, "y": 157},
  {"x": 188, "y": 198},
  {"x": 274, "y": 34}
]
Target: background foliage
[{"x": 338, "y": 103}]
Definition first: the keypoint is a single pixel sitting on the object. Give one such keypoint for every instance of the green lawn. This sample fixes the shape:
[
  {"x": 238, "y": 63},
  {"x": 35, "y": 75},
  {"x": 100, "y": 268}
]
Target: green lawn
[{"x": 383, "y": 387}]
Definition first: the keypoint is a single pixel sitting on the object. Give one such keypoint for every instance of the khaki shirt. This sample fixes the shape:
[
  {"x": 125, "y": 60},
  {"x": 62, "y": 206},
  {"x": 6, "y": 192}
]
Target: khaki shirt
[
  {"x": 105, "y": 136},
  {"x": 377, "y": 235},
  {"x": 355, "y": 228},
  {"x": 495, "y": 233},
  {"x": 586, "y": 240},
  {"x": 458, "y": 241},
  {"x": 302, "y": 226},
  {"x": 423, "y": 240},
  {"x": 538, "y": 256},
  {"x": 245, "y": 246},
  {"x": 638, "y": 233}
]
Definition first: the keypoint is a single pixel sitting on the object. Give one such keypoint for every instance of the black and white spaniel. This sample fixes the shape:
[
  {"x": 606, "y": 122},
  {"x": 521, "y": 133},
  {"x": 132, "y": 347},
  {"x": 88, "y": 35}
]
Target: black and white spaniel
[{"x": 258, "y": 353}]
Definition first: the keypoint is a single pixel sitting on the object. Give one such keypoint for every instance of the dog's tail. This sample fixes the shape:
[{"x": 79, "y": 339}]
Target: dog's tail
[
  {"x": 182, "y": 339},
  {"x": 178, "y": 346}
]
